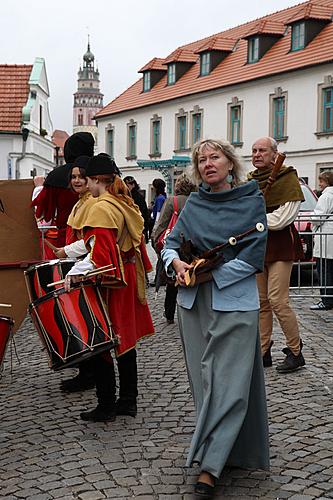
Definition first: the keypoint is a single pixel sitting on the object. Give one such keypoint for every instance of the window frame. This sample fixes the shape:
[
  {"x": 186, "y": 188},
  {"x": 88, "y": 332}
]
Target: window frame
[
  {"x": 110, "y": 144},
  {"x": 205, "y": 63},
  {"x": 171, "y": 78},
  {"x": 146, "y": 81},
  {"x": 325, "y": 106},
  {"x": 279, "y": 110},
  {"x": 253, "y": 50},
  {"x": 297, "y": 37},
  {"x": 155, "y": 139},
  {"x": 235, "y": 103},
  {"x": 278, "y": 96},
  {"x": 321, "y": 90},
  {"x": 131, "y": 140},
  {"x": 194, "y": 114}
]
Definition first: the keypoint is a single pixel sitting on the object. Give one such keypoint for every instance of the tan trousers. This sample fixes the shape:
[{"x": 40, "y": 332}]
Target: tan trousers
[{"x": 273, "y": 286}]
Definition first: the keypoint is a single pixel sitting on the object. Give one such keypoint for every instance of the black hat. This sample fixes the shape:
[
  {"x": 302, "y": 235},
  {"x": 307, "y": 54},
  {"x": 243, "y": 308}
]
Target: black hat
[
  {"x": 80, "y": 143},
  {"x": 81, "y": 162},
  {"x": 101, "y": 164}
]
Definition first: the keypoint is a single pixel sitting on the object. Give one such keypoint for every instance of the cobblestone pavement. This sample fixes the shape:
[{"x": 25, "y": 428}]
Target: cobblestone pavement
[{"x": 47, "y": 452}]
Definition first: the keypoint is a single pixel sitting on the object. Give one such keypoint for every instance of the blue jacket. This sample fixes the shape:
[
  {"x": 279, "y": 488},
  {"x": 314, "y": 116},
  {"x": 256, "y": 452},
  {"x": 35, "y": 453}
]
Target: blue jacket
[{"x": 209, "y": 219}]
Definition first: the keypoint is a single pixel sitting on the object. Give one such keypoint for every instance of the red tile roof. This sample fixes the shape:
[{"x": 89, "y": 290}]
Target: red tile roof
[
  {"x": 181, "y": 55},
  {"x": 156, "y": 63},
  {"x": 59, "y": 137},
  {"x": 312, "y": 10},
  {"x": 218, "y": 43},
  {"x": 266, "y": 27},
  {"x": 233, "y": 69},
  {"x": 14, "y": 91}
]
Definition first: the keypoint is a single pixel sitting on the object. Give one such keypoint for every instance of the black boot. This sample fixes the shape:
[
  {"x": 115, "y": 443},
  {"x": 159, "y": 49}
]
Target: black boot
[
  {"x": 267, "y": 357},
  {"x": 99, "y": 414},
  {"x": 128, "y": 384},
  {"x": 83, "y": 381},
  {"x": 105, "y": 391},
  {"x": 292, "y": 361}
]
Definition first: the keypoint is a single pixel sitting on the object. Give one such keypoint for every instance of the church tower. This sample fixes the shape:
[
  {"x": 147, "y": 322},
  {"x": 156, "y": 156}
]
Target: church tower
[{"x": 88, "y": 99}]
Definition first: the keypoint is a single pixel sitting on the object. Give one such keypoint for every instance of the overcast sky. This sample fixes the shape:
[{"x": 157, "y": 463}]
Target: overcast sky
[{"x": 124, "y": 36}]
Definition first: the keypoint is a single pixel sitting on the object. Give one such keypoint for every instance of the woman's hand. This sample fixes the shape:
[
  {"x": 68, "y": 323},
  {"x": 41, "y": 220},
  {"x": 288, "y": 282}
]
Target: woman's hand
[
  {"x": 71, "y": 279},
  {"x": 180, "y": 268},
  {"x": 60, "y": 253}
]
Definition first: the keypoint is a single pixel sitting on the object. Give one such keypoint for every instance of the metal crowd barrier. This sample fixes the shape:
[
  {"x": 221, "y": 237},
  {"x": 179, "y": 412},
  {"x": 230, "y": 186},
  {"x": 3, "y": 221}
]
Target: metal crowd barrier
[{"x": 313, "y": 277}]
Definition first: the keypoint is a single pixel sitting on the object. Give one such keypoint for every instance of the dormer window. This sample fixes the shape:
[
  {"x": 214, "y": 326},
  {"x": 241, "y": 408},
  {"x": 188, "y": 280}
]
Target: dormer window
[
  {"x": 152, "y": 73},
  {"x": 171, "y": 74},
  {"x": 146, "y": 81},
  {"x": 205, "y": 64},
  {"x": 298, "y": 36},
  {"x": 253, "y": 50}
]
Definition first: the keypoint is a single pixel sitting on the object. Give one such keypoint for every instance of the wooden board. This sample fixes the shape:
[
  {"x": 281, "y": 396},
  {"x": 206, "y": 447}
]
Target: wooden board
[{"x": 19, "y": 245}]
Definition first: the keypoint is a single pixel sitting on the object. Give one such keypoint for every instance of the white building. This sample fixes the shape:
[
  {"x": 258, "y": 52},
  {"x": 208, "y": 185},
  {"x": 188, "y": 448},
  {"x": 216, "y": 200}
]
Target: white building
[
  {"x": 272, "y": 76},
  {"x": 25, "y": 124}
]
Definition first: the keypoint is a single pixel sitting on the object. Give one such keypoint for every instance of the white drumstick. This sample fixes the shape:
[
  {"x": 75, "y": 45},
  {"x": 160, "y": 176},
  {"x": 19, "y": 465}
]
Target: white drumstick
[
  {"x": 99, "y": 270},
  {"x": 5, "y": 305}
]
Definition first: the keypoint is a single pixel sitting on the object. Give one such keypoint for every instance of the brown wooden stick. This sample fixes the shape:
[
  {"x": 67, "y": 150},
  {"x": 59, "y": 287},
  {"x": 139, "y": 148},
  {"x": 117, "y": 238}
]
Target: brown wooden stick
[
  {"x": 231, "y": 241},
  {"x": 279, "y": 160},
  {"x": 95, "y": 272}
]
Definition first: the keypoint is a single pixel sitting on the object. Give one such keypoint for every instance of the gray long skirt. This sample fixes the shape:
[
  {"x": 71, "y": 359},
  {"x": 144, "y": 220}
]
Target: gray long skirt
[{"x": 224, "y": 364}]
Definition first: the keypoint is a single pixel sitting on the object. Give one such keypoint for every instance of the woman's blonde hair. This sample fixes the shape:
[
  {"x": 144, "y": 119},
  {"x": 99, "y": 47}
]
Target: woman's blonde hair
[{"x": 229, "y": 152}]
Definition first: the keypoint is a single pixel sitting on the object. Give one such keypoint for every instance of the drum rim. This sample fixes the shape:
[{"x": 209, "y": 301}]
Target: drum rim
[
  {"x": 7, "y": 318},
  {"x": 48, "y": 263}
]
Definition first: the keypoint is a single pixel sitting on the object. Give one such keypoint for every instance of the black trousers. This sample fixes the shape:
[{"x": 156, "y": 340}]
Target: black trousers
[
  {"x": 170, "y": 301},
  {"x": 104, "y": 373},
  {"x": 325, "y": 275}
]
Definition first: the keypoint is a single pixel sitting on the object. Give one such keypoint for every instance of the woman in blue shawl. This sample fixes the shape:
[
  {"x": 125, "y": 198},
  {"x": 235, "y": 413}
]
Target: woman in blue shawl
[{"x": 218, "y": 319}]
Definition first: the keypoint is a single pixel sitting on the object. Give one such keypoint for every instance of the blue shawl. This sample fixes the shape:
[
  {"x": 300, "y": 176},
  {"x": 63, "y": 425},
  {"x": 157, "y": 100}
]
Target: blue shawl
[{"x": 209, "y": 219}]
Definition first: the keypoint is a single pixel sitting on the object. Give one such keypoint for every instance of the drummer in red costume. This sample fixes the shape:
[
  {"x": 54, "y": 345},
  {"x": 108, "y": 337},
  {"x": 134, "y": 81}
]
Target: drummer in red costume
[
  {"x": 113, "y": 235},
  {"x": 75, "y": 248}
]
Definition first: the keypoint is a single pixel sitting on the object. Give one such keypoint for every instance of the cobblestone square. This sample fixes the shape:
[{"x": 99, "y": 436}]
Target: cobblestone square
[{"x": 47, "y": 452}]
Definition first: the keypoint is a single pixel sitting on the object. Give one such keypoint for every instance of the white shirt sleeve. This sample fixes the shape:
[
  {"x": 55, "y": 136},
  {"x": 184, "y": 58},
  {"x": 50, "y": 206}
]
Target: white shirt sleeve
[
  {"x": 36, "y": 192},
  {"x": 83, "y": 266},
  {"x": 76, "y": 249},
  {"x": 283, "y": 216}
]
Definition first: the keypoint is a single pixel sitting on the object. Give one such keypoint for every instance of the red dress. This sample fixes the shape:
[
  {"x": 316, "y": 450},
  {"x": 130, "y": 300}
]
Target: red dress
[{"x": 130, "y": 317}]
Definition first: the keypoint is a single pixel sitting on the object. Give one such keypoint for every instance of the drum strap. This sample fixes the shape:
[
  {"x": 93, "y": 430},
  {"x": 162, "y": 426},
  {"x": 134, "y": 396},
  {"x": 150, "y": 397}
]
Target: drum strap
[{"x": 123, "y": 236}]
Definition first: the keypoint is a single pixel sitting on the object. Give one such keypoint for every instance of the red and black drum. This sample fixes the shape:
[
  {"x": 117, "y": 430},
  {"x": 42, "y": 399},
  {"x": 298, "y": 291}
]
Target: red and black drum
[
  {"x": 37, "y": 277},
  {"x": 73, "y": 326},
  {"x": 6, "y": 326}
]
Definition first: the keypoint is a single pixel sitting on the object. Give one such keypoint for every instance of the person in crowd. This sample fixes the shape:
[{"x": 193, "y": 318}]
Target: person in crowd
[
  {"x": 134, "y": 189},
  {"x": 75, "y": 248},
  {"x": 160, "y": 197},
  {"x": 55, "y": 201},
  {"x": 323, "y": 243},
  {"x": 218, "y": 316},
  {"x": 47, "y": 233},
  {"x": 283, "y": 248},
  {"x": 113, "y": 235},
  {"x": 183, "y": 188}
]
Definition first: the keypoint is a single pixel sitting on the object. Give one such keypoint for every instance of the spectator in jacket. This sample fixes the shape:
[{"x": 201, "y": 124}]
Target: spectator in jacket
[
  {"x": 134, "y": 189},
  {"x": 323, "y": 243},
  {"x": 183, "y": 188}
]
